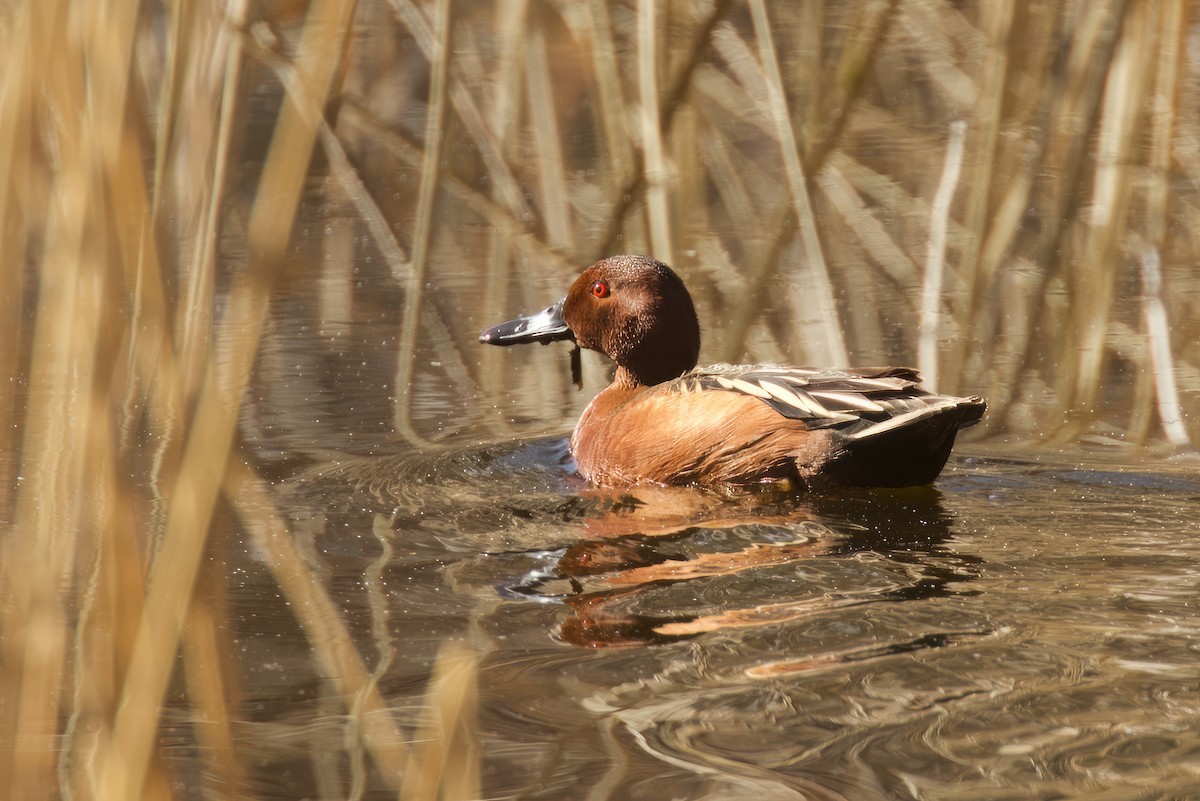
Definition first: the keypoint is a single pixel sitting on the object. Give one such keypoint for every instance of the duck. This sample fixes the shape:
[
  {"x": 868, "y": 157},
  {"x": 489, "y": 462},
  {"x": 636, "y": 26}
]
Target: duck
[{"x": 663, "y": 420}]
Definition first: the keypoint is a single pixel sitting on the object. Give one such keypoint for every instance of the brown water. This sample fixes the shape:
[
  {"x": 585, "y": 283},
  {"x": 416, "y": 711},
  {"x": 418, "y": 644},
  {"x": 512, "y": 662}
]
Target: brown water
[{"x": 1027, "y": 628}]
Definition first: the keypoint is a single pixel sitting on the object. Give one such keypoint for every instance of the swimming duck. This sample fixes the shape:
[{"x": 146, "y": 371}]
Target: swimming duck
[{"x": 664, "y": 420}]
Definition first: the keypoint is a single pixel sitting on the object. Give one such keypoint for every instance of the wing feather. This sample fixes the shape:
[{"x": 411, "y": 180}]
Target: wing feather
[{"x": 859, "y": 404}]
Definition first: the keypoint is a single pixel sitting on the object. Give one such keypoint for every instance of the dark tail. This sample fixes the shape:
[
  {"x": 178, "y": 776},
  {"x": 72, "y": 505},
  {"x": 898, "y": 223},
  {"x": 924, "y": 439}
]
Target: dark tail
[{"x": 906, "y": 450}]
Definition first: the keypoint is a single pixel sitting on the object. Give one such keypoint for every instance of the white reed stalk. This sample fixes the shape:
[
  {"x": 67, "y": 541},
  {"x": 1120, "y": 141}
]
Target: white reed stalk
[
  {"x": 935, "y": 258},
  {"x": 1158, "y": 331}
]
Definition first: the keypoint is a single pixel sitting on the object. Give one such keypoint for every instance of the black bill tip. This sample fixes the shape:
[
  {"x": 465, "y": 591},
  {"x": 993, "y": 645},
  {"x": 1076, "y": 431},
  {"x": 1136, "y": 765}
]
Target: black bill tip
[{"x": 545, "y": 326}]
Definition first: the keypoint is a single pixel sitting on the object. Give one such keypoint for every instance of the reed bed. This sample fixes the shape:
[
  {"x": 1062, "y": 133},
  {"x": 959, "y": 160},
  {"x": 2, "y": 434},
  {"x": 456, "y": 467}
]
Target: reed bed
[{"x": 798, "y": 163}]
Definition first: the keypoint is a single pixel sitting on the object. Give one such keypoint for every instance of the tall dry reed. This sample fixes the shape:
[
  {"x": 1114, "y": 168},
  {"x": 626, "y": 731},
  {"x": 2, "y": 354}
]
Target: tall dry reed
[{"x": 785, "y": 157}]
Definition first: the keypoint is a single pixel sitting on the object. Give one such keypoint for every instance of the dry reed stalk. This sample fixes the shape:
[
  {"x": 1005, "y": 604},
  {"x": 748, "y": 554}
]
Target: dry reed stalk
[
  {"x": 28, "y": 51},
  {"x": 857, "y": 56},
  {"x": 535, "y": 249},
  {"x": 431, "y": 171},
  {"x": 336, "y": 656},
  {"x": 498, "y": 272},
  {"x": 894, "y": 263},
  {"x": 153, "y": 368},
  {"x": 512, "y": 23},
  {"x": 1028, "y": 46},
  {"x": 147, "y": 328},
  {"x": 385, "y": 648},
  {"x": 935, "y": 257},
  {"x": 552, "y": 180},
  {"x": 830, "y": 347},
  {"x": 1171, "y": 34},
  {"x": 206, "y": 650},
  {"x": 750, "y": 81},
  {"x": 108, "y": 599},
  {"x": 126, "y": 373},
  {"x": 719, "y": 98},
  {"x": 103, "y": 524},
  {"x": 691, "y": 187},
  {"x": 1023, "y": 287},
  {"x": 112, "y": 600},
  {"x": 1068, "y": 113},
  {"x": 512, "y": 19},
  {"x": 1158, "y": 331},
  {"x": 614, "y": 120},
  {"x": 806, "y": 79},
  {"x": 1154, "y": 387},
  {"x": 64, "y": 425},
  {"x": 532, "y": 246},
  {"x": 728, "y": 176},
  {"x": 893, "y": 200},
  {"x": 368, "y": 210},
  {"x": 656, "y": 170},
  {"x": 194, "y": 316},
  {"x": 445, "y": 763},
  {"x": 499, "y": 172},
  {"x": 983, "y": 281},
  {"x": 849, "y": 259},
  {"x": 181, "y": 19},
  {"x": 985, "y": 116},
  {"x": 1094, "y": 280},
  {"x": 931, "y": 36},
  {"x": 671, "y": 97},
  {"x": 123, "y": 766},
  {"x": 108, "y": 43}
]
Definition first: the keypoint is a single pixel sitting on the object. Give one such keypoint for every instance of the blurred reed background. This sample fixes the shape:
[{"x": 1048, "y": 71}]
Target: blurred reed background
[{"x": 1005, "y": 193}]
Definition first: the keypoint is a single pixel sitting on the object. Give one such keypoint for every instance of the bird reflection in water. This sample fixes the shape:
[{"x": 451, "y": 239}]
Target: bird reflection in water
[{"x": 643, "y": 569}]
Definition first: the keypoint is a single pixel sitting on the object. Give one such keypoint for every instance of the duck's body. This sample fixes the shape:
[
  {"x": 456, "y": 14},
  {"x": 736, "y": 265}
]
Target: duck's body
[
  {"x": 736, "y": 423},
  {"x": 665, "y": 421}
]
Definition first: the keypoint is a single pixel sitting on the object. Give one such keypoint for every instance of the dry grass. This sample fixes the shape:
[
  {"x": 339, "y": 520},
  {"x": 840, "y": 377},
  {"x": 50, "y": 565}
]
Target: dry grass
[{"x": 785, "y": 159}]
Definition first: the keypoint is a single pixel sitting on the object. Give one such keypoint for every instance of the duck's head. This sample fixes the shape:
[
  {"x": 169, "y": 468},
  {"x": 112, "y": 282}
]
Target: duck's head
[{"x": 633, "y": 309}]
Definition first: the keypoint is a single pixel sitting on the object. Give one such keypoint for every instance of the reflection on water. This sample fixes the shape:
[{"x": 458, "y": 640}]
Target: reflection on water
[{"x": 1023, "y": 630}]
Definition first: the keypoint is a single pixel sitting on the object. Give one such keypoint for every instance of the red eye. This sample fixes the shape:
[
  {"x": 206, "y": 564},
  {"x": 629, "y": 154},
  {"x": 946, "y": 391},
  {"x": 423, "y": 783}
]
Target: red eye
[{"x": 600, "y": 289}]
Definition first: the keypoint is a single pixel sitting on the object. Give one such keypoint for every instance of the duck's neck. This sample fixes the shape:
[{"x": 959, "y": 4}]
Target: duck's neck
[
  {"x": 626, "y": 379},
  {"x": 632, "y": 376}
]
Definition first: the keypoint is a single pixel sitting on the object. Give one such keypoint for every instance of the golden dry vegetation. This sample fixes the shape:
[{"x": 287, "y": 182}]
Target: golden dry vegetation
[{"x": 1004, "y": 192}]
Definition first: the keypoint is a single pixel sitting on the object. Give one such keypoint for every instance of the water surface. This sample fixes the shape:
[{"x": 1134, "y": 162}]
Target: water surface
[{"x": 1026, "y": 628}]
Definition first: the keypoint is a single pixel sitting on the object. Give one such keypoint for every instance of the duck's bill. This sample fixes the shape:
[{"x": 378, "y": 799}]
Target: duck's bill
[{"x": 545, "y": 326}]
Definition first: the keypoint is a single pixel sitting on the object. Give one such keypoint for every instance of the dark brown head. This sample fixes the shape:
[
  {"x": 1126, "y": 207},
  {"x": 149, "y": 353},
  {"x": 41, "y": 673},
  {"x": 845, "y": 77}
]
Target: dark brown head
[{"x": 633, "y": 309}]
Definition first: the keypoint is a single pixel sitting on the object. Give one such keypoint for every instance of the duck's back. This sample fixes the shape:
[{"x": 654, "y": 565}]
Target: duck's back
[{"x": 729, "y": 423}]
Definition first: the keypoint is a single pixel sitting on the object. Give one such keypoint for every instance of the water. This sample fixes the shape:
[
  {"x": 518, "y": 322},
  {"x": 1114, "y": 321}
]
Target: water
[{"x": 1026, "y": 628}]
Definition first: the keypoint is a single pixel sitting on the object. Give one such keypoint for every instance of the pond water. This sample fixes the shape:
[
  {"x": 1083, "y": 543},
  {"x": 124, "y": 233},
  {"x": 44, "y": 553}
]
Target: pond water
[
  {"x": 406, "y": 591},
  {"x": 1025, "y": 628}
]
